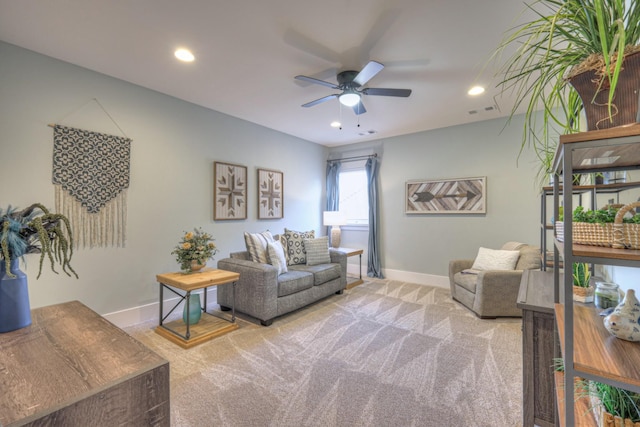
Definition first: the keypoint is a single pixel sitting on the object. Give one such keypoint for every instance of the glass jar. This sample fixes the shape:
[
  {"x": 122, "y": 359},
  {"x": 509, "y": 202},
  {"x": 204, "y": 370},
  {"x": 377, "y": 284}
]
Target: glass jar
[{"x": 607, "y": 295}]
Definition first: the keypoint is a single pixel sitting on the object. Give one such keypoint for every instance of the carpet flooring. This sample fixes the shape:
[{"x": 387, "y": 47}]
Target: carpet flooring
[{"x": 385, "y": 353}]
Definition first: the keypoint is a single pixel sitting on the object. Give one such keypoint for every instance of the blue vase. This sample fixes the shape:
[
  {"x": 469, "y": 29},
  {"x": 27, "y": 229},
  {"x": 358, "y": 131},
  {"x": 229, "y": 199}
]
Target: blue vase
[
  {"x": 195, "y": 311},
  {"x": 15, "y": 311}
]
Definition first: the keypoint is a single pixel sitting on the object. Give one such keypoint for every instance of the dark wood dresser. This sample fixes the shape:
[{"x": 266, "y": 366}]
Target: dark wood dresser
[
  {"x": 72, "y": 367},
  {"x": 538, "y": 336}
]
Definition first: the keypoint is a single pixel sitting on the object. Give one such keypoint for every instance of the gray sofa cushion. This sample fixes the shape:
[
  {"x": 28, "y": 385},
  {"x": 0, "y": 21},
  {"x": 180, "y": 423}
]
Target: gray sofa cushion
[
  {"x": 467, "y": 281},
  {"x": 294, "y": 281},
  {"x": 322, "y": 273}
]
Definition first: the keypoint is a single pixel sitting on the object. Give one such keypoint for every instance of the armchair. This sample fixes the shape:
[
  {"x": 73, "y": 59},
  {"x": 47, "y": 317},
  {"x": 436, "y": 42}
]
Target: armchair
[{"x": 492, "y": 293}]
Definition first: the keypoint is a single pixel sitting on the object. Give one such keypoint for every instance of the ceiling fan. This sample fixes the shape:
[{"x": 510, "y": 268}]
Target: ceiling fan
[{"x": 350, "y": 83}]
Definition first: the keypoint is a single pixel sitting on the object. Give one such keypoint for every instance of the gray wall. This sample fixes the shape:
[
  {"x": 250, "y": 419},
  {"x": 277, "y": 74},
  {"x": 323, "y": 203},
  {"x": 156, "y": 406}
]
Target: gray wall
[
  {"x": 426, "y": 243},
  {"x": 174, "y": 146}
]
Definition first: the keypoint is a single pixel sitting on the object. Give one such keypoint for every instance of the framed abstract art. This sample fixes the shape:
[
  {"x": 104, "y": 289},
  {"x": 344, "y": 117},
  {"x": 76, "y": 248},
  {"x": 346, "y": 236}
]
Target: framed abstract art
[
  {"x": 229, "y": 191},
  {"x": 270, "y": 194},
  {"x": 446, "y": 196}
]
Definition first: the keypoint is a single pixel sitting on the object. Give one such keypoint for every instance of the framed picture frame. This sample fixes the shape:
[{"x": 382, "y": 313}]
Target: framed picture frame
[
  {"x": 229, "y": 191},
  {"x": 270, "y": 194},
  {"x": 446, "y": 196}
]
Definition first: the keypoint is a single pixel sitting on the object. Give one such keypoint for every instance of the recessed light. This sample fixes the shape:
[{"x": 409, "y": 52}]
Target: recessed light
[
  {"x": 184, "y": 55},
  {"x": 476, "y": 90},
  {"x": 335, "y": 124}
]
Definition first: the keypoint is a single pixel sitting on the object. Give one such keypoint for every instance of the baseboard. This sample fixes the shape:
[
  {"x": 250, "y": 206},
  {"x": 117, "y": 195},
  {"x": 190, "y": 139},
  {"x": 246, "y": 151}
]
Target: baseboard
[
  {"x": 405, "y": 276},
  {"x": 417, "y": 278},
  {"x": 150, "y": 312}
]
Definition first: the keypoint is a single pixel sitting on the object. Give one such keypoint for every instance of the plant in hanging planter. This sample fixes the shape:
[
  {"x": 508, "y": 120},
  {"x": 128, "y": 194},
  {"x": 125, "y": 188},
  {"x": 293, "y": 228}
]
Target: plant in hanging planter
[
  {"x": 569, "y": 44},
  {"x": 195, "y": 248},
  {"x": 36, "y": 230}
]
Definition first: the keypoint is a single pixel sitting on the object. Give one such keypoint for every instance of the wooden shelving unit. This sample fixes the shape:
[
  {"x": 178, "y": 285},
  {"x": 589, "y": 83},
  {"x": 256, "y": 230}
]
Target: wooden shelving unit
[{"x": 588, "y": 350}]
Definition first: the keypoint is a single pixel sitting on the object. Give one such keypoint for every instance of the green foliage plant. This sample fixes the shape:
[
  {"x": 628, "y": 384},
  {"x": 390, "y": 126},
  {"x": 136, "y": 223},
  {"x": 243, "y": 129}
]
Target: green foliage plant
[
  {"x": 36, "y": 230},
  {"x": 615, "y": 400},
  {"x": 195, "y": 245},
  {"x": 564, "y": 37},
  {"x": 601, "y": 216},
  {"x": 581, "y": 274}
]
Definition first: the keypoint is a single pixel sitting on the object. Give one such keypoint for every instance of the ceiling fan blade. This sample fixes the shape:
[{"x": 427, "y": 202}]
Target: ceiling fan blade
[
  {"x": 319, "y": 101},
  {"x": 367, "y": 73},
  {"x": 387, "y": 92},
  {"x": 316, "y": 81},
  {"x": 359, "y": 108}
]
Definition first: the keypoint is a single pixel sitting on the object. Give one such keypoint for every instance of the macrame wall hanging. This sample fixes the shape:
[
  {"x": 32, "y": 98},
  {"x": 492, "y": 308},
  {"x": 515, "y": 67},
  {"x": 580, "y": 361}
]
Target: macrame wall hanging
[{"x": 91, "y": 178}]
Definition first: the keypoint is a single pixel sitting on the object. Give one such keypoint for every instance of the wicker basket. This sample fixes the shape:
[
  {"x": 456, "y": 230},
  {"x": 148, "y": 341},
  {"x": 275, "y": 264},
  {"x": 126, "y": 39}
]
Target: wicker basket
[
  {"x": 617, "y": 235},
  {"x": 595, "y": 96}
]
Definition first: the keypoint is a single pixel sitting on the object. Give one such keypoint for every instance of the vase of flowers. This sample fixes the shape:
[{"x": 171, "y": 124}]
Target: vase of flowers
[
  {"x": 193, "y": 251},
  {"x": 32, "y": 230}
]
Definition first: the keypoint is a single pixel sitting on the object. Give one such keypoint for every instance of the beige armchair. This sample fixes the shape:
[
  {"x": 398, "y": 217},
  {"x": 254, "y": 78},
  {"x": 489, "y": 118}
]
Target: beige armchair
[{"x": 490, "y": 294}]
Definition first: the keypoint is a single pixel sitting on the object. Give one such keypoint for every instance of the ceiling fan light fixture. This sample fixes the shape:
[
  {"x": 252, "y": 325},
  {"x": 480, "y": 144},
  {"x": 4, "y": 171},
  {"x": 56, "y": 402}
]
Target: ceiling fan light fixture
[
  {"x": 184, "y": 55},
  {"x": 349, "y": 99}
]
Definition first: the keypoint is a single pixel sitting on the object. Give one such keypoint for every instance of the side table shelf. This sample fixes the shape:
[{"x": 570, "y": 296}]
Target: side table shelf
[{"x": 210, "y": 325}]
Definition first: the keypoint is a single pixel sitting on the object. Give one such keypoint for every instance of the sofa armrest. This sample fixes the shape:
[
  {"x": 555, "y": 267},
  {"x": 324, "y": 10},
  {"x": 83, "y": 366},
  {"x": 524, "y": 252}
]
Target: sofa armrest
[
  {"x": 340, "y": 257},
  {"x": 456, "y": 266},
  {"x": 497, "y": 293},
  {"x": 256, "y": 290}
]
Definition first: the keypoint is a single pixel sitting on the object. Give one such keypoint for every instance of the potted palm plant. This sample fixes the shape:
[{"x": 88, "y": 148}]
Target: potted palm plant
[{"x": 572, "y": 60}]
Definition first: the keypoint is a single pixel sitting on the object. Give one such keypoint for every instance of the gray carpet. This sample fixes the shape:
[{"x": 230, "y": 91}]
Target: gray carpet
[{"x": 384, "y": 353}]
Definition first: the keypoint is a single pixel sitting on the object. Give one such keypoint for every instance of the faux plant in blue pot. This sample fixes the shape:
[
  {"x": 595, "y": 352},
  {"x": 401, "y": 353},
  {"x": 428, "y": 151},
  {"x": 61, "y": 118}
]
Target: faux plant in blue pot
[{"x": 31, "y": 230}]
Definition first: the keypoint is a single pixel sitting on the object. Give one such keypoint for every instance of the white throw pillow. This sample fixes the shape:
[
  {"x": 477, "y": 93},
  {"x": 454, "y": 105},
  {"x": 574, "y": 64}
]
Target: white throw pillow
[
  {"x": 276, "y": 256},
  {"x": 495, "y": 259},
  {"x": 257, "y": 245}
]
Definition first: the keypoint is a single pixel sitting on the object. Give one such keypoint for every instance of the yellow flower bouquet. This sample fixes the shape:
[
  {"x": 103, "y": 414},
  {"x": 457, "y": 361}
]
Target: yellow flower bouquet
[{"x": 195, "y": 248}]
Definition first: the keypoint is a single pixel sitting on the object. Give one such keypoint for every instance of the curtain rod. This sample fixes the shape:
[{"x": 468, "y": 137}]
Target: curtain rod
[{"x": 353, "y": 159}]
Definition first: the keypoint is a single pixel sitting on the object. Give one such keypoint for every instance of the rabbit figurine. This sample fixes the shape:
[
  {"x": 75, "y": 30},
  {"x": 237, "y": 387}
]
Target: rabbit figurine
[{"x": 623, "y": 321}]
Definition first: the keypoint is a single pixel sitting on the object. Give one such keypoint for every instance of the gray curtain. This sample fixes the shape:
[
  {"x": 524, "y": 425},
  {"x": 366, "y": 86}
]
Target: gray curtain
[
  {"x": 374, "y": 268},
  {"x": 333, "y": 187}
]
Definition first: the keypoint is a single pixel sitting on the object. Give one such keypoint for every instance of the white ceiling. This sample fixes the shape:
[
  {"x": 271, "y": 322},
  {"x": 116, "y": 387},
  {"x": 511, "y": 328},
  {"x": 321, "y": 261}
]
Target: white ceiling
[{"x": 249, "y": 51}]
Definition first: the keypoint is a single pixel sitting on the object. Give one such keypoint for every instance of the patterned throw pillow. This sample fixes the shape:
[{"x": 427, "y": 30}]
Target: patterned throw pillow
[
  {"x": 257, "y": 245},
  {"x": 317, "y": 251},
  {"x": 276, "y": 256},
  {"x": 295, "y": 245}
]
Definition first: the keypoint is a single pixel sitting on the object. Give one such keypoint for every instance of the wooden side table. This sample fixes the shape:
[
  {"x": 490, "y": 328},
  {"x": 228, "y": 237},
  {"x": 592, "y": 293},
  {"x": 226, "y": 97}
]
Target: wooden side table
[
  {"x": 71, "y": 367},
  {"x": 353, "y": 252},
  {"x": 210, "y": 326}
]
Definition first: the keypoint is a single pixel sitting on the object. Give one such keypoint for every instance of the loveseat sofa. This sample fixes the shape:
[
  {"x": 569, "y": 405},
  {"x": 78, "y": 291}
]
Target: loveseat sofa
[{"x": 263, "y": 293}]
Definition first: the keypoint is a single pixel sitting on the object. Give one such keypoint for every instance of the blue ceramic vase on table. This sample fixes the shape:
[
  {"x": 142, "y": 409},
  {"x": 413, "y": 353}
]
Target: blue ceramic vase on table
[
  {"x": 195, "y": 310},
  {"x": 15, "y": 311}
]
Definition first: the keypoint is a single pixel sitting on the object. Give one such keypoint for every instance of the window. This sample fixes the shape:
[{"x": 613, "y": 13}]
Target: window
[{"x": 354, "y": 199}]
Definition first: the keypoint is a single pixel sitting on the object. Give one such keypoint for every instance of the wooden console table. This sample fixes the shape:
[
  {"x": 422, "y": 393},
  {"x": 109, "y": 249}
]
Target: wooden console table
[
  {"x": 535, "y": 298},
  {"x": 71, "y": 367},
  {"x": 210, "y": 326}
]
